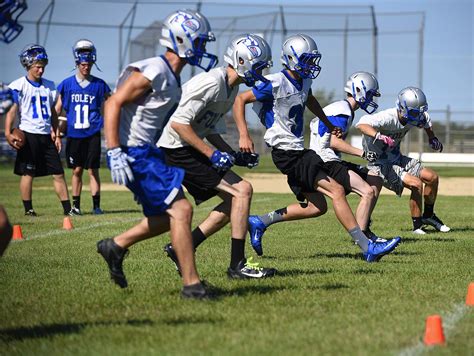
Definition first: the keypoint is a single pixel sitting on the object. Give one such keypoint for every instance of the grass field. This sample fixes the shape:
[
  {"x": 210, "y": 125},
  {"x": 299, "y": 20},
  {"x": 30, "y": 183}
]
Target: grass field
[{"x": 56, "y": 298}]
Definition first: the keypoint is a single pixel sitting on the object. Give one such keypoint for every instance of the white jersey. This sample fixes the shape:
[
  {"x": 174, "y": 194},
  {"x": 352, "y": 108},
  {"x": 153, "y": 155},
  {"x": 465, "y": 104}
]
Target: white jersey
[
  {"x": 206, "y": 98},
  {"x": 387, "y": 123},
  {"x": 34, "y": 102},
  {"x": 280, "y": 106},
  {"x": 142, "y": 121},
  {"x": 340, "y": 114}
]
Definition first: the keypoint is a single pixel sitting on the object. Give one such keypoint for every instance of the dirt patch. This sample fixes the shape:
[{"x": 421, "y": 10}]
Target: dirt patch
[{"x": 276, "y": 183}]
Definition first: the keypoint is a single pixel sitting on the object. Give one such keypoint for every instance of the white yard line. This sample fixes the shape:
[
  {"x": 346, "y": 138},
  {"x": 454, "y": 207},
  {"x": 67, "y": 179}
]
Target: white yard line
[{"x": 449, "y": 325}]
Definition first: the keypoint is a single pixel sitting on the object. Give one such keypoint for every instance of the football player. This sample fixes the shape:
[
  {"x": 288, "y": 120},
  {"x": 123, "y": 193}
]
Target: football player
[
  {"x": 34, "y": 98},
  {"x": 148, "y": 92},
  {"x": 81, "y": 97},
  {"x": 361, "y": 88},
  {"x": 280, "y": 101},
  {"x": 206, "y": 99},
  {"x": 383, "y": 133}
]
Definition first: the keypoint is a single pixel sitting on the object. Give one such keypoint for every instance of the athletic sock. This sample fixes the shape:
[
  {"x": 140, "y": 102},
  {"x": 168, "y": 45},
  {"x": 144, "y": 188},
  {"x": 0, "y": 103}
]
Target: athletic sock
[
  {"x": 28, "y": 205},
  {"x": 359, "y": 238},
  {"x": 273, "y": 216},
  {"x": 96, "y": 201},
  {"x": 417, "y": 224},
  {"x": 76, "y": 201},
  {"x": 198, "y": 237},
  {"x": 237, "y": 252},
  {"x": 428, "y": 212},
  {"x": 66, "y": 206}
]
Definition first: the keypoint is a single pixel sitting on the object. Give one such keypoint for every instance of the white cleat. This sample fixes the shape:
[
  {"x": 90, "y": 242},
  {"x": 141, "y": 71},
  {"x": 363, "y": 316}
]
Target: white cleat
[
  {"x": 436, "y": 223},
  {"x": 419, "y": 232}
]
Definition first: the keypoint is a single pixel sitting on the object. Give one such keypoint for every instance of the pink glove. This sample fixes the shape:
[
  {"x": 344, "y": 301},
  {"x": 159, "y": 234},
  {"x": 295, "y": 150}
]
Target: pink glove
[{"x": 390, "y": 142}]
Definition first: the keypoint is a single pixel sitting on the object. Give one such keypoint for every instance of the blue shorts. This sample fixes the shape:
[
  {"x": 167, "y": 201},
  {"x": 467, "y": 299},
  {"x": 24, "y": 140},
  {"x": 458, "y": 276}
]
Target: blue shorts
[{"x": 155, "y": 185}]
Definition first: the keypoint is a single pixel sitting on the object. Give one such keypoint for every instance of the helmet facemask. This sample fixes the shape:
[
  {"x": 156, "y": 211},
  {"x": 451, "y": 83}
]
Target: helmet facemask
[
  {"x": 307, "y": 65},
  {"x": 196, "y": 55},
  {"x": 413, "y": 116},
  {"x": 33, "y": 54},
  {"x": 366, "y": 101}
]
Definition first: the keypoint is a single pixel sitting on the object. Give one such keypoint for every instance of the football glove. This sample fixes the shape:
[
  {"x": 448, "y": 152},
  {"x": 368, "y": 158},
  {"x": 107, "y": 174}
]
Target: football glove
[
  {"x": 390, "y": 142},
  {"x": 245, "y": 159},
  {"x": 436, "y": 144},
  {"x": 117, "y": 161},
  {"x": 370, "y": 156},
  {"x": 222, "y": 161}
]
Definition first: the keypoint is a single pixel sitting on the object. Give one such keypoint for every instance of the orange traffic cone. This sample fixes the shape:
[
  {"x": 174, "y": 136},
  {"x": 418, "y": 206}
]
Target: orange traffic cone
[
  {"x": 470, "y": 295},
  {"x": 17, "y": 233},
  {"x": 67, "y": 223},
  {"x": 434, "y": 331}
]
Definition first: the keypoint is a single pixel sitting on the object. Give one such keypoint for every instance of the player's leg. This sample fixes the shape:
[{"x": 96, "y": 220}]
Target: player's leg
[
  {"x": 416, "y": 186},
  {"x": 76, "y": 189},
  {"x": 367, "y": 198},
  {"x": 94, "y": 179},
  {"x": 92, "y": 163},
  {"x": 25, "y": 167},
  {"x": 26, "y": 192},
  {"x": 314, "y": 206},
  {"x": 430, "y": 192}
]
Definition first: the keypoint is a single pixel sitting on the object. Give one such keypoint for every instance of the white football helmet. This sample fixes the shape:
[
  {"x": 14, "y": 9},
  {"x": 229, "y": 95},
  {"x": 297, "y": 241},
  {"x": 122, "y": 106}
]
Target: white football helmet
[
  {"x": 363, "y": 86},
  {"x": 186, "y": 32},
  {"x": 300, "y": 53},
  {"x": 412, "y": 105},
  {"x": 84, "y": 52},
  {"x": 6, "y": 98},
  {"x": 249, "y": 54},
  {"x": 31, "y": 54}
]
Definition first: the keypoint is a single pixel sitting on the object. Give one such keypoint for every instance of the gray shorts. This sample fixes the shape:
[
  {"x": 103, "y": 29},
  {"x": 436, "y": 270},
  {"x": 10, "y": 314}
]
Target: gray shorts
[{"x": 393, "y": 173}]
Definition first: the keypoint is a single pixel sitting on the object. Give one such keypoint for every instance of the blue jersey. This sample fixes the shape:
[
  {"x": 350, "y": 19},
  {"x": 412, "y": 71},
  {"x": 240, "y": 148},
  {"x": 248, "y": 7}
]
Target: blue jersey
[{"x": 82, "y": 105}]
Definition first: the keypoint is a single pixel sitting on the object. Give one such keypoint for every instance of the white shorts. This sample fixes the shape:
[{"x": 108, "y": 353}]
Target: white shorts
[{"x": 393, "y": 173}]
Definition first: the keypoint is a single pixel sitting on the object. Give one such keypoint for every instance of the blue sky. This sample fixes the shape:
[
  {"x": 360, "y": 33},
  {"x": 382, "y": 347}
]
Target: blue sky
[{"x": 448, "y": 43}]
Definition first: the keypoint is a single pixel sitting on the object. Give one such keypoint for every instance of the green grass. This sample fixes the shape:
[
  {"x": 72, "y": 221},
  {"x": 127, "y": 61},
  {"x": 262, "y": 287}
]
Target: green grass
[{"x": 56, "y": 298}]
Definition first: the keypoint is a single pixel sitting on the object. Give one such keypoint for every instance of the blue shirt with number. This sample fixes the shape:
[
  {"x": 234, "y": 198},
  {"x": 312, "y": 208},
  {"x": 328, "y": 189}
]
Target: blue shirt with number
[{"x": 82, "y": 105}]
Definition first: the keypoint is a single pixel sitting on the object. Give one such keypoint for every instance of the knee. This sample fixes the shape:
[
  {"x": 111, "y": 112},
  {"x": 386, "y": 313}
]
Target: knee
[
  {"x": 338, "y": 192},
  {"x": 368, "y": 193},
  {"x": 416, "y": 185},
  {"x": 182, "y": 210},
  {"x": 245, "y": 190},
  {"x": 432, "y": 178}
]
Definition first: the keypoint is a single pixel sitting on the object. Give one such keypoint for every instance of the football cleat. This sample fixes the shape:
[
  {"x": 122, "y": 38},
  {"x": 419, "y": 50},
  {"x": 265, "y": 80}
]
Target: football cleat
[
  {"x": 74, "y": 212},
  {"x": 114, "y": 255},
  {"x": 30, "y": 212},
  {"x": 195, "y": 291},
  {"x": 247, "y": 269},
  {"x": 436, "y": 223},
  {"x": 377, "y": 250},
  {"x": 97, "y": 211},
  {"x": 419, "y": 231},
  {"x": 374, "y": 238},
  {"x": 256, "y": 230},
  {"x": 172, "y": 255}
]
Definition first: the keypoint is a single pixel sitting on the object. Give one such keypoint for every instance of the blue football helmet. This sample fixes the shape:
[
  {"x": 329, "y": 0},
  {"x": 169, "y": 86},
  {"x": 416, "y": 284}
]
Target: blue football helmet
[
  {"x": 186, "y": 32},
  {"x": 6, "y": 98},
  {"x": 300, "y": 53},
  {"x": 84, "y": 52},
  {"x": 363, "y": 87},
  {"x": 249, "y": 55},
  {"x": 10, "y": 10},
  {"x": 412, "y": 105},
  {"x": 31, "y": 54}
]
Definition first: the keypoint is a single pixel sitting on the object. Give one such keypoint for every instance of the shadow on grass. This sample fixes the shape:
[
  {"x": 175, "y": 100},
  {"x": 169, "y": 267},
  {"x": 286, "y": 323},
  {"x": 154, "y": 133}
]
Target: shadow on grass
[
  {"x": 368, "y": 271},
  {"x": 245, "y": 290},
  {"x": 410, "y": 240},
  {"x": 302, "y": 272},
  {"x": 42, "y": 331},
  {"x": 352, "y": 256},
  {"x": 333, "y": 286}
]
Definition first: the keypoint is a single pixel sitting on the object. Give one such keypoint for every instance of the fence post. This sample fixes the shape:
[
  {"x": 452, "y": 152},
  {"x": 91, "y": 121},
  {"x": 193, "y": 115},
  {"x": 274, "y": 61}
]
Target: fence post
[{"x": 447, "y": 140}]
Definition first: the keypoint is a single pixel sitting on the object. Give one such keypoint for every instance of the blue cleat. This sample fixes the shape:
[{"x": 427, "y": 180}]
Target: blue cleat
[
  {"x": 379, "y": 249},
  {"x": 97, "y": 211},
  {"x": 256, "y": 230}
]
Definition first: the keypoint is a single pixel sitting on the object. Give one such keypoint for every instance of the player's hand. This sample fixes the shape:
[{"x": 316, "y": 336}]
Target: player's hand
[
  {"x": 370, "y": 156},
  {"x": 222, "y": 161},
  {"x": 436, "y": 144},
  {"x": 390, "y": 142},
  {"x": 58, "y": 143},
  {"x": 13, "y": 140},
  {"x": 117, "y": 161},
  {"x": 245, "y": 159},
  {"x": 246, "y": 144},
  {"x": 337, "y": 131}
]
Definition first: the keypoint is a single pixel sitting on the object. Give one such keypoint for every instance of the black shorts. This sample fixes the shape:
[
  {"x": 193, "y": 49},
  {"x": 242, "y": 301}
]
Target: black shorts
[
  {"x": 200, "y": 178},
  {"x": 84, "y": 152},
  {"x": 301, "y": 168},
  {"x": 339, "y": 171},
  {"x": 38, "y": 157}
]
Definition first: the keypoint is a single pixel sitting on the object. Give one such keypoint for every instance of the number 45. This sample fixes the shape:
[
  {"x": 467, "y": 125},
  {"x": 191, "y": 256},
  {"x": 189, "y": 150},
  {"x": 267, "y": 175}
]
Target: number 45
[{"x": 85, "y": 113}]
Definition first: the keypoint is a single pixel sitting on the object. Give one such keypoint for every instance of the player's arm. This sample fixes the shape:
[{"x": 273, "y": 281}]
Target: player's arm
[
  {"x": 54, "y": 129},
  {"x": 245, "y": 141},
  {"x": 218, "y": 142},
  {"x": 367, "y": 130},
  {"x": 435, "y": 144},
  {"x": 135, "y": 86},
  {"x": 313, "y": 105},
  {"x": 9, "y": 122},
  {"x": 340, "y": 145},
  {"x": 187, "y": 133}
]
